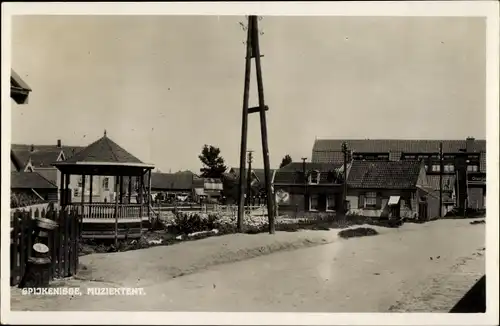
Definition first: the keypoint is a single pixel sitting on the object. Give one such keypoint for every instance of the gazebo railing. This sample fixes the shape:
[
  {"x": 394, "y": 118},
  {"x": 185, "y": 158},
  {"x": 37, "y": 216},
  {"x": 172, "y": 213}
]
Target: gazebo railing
[{"x": 96, "y": 212}]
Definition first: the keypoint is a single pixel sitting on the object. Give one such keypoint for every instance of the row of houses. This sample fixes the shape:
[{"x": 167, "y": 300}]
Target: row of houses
[
  {"x": 378, "y": 182},
  {"x": 386, "y": 177}
]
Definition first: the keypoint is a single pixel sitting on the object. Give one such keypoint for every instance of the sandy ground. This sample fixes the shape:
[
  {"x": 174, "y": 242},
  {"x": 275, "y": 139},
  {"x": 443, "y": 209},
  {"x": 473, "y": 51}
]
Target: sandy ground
[{"x": 389, "y": 272}]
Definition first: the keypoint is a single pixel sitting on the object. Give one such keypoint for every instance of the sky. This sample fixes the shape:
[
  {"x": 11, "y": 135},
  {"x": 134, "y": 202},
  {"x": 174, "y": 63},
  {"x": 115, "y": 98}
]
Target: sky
[{"x": 163, "y": 86}]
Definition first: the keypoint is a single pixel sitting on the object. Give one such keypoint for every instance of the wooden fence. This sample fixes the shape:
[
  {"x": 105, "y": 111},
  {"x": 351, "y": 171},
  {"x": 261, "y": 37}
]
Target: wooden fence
[{"x": 63, "y": 242}]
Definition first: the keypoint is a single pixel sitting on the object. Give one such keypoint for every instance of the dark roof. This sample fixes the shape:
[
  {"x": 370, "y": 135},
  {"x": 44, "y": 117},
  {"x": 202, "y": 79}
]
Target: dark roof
[
  {"x": 329, "y": 150},
  {"x": 19, "y": 90},
  {"x": 384, "y": 174},
  {"x": 29, "y": 180},
  {"x": 396, "y": 145},
  {"x": 43, "y": 155},
  {"x": 49, "y": 174},
  {"x": 171, "y": 181},
  {"x": 103, "y": 150},
  {"x": 293, "y": 173},
  {"x": 69, "y": 151}
]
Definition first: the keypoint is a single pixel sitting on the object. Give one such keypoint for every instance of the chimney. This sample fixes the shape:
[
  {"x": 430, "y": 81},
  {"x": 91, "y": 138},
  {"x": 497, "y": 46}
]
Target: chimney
[
  {"x": 32, "y": 148},
  {"x": 59, "y": 143},
  {"x": 469, "y": 144}
]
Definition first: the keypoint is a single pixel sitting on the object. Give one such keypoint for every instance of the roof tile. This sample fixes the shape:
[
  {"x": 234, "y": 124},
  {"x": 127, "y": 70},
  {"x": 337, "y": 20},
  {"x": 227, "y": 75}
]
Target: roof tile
[
  {"x": 384, "y": 174},
  {"x": 293, "y": 172},
  {"x": 103, "y": 150},
  {"x": 29, "y": 180},
  {"x": 171, "y": 181}
]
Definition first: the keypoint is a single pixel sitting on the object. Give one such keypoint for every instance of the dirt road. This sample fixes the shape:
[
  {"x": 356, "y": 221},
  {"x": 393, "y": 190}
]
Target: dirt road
[{"x": 413, "y": 268}]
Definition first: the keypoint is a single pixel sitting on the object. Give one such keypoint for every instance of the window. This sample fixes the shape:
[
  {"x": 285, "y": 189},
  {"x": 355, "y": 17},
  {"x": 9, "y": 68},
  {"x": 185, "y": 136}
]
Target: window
[
  {"x": 314, "y": 177},
  {"x": 105, "y": 183},
  {"x": 472, "y": 168},
  {"x": 436, "y": 168},
  {"x": 449, "y": 168},
  {"x": 80, "y": 181},
  {"x": 313, "y": 203},
  {"x": 76, "y": 192},
  {"x": 330, "y": 202},
  {"x": 371, "y": 199}
]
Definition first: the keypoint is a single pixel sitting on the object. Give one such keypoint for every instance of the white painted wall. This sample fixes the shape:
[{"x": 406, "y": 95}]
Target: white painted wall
[{"x": 99, "y": 194}]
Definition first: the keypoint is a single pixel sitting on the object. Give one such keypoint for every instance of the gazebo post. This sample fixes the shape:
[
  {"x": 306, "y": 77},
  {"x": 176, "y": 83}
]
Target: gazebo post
[
  {"x": 83, "y": 197},
  {"x": 149, "y": 194},
  {"x": 116, "y": 211},
  {"x": 121, "y": 189},
  {"x": 90, "y": 194},
  {"x": 141, "y": 199},
  {"x": 129, "y": 188}
]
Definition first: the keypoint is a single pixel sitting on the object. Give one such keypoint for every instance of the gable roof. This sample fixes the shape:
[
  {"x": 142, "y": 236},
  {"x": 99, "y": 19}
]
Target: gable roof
[
  {"x": 172, "y": 181},
  {"x": 43, "y": 155},
  {"x": 293, "y": 173},
  {"x": 29, "y": 180},
  {"x": 103, "y": 150},
  {"x": 19, "y": 90},
  {"x": 384, "y": 174}
]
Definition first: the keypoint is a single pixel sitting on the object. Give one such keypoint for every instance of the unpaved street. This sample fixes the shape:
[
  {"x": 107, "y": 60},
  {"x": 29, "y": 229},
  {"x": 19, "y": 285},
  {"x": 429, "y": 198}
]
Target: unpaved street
[{"x": 414, "y": 268}]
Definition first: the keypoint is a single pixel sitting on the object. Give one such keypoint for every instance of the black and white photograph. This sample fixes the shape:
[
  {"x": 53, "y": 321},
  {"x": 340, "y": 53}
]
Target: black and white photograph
[{"x": 248, "y": 160}]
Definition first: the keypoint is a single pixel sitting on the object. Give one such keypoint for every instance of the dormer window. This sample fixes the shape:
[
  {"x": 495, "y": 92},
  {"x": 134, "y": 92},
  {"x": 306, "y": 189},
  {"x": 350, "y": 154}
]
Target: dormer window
[{"x": 314, "y": 177}]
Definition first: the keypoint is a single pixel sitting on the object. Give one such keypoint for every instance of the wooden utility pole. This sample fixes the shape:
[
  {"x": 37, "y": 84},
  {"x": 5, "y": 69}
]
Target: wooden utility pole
[
  {"x": 344, "y": 197},
  {"x": 441, "y": 179},
  {"x": 305, "y": 181},
  {"x": 253, "y": 51}
]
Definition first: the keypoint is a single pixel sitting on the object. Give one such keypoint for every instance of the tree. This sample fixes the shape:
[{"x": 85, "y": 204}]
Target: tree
[
  {"x": 286, "y": 160},
  {"x": 213, "y": 163}
]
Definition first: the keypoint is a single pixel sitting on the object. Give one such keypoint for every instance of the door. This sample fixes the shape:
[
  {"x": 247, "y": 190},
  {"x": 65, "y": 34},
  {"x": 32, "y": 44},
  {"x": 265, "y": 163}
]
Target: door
[{"x": 422, "y": 211}]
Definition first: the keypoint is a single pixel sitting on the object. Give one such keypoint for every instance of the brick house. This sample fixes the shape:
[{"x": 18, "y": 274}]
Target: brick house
[
  {"x": 390, "y": 188},
  {"x": 460, "y": 158},
  {"x": 312, "y": 187}
]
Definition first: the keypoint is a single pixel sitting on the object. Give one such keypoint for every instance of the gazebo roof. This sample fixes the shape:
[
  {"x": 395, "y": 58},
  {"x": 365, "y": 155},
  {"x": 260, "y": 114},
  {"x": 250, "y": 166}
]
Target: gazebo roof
[{"x": 104, "y": 157}]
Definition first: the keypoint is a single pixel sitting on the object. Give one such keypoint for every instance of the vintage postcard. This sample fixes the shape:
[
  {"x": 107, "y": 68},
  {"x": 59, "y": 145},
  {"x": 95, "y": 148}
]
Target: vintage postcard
[{"x": 250, "y": 163}]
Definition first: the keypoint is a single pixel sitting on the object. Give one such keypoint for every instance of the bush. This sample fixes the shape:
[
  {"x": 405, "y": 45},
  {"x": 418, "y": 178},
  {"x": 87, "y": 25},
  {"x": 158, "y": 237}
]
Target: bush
[
  {"x": 22, "y": 199},
  {"x": 357, "y": 232},
  {"x": 187, "y": 223}
]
